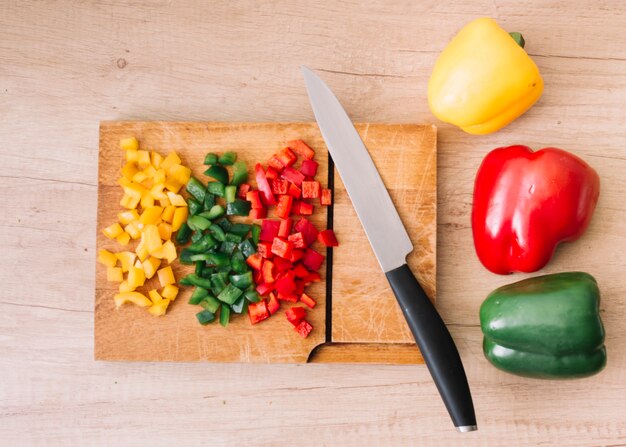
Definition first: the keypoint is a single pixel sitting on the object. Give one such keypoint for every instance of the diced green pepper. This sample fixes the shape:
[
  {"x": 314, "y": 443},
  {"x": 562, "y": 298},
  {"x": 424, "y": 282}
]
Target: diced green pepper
[
  {"x": 183, "y": 234},
  {"x": 230, "y": 294},
  {"x": 215, "y": 212},
  {"x": 247, "y": 248},
  {"x": 238, "y": 262},
  {"x": 252, "y": 296},
  {"x": 205, "y": 317},
  {"x": 240, "y": 306},
  {"x": 238, "y": 208},
  {"x": 207, "y": 272},
  {"x": 231, "y": 237},
  {"x": 198, "y": 295},
  {"x": 209, "y": 201},
  {"x": 196, "y": 236},
  {"x": 227, "y": 159},
  {"x": 196, "y": 189},
  {"x": 210, "y": 159},
  {"x": 240, "y": 174},
  {"x": 210, "y": 303},
  {"x": 242, "y": 281},
  {"x": 194, "y": 206},
  {"x": 218, "y": 282},
  {"x": 218, "y": 259},
  {"x": 224, "y": 315},
  {"x": 195, "y": 280},
  {"x": 225, "y": 224},
  {"x": 219, "y": 173},
  {"x": 185, "y": 257},
  {"x": 230, "y": 193},
  {"x": 217, "y": 232},
  {"x": 198, "y": 223},
  {"x": 240, "y": 229},
  {"x": 205, "y": 243},
  {"x": 228, "y": 247},
  {"x": 199, "y": 265},
  {"x": 216, "y": 188},
  {"x": 256, "y": 233}
]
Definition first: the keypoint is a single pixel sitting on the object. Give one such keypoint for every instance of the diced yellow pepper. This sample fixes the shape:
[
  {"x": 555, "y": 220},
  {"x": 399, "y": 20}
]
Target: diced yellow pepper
[
  {"x": 166, "y": 251},
  {"x": 132, "y": 156},
  {"x": 150, "y": 266},
  {"x": 157, "y": 192},
  {"x": 154, "y": 296},
  {"x": 133, "y": 229},
  {"x": 107, "y": 258},
  {"x": 171, "y": 159},
  {"x": 129, "y": 144},
  {"x": 176, "y": 199},
  {"x": 151, "y": 238},
  {"x": 156, "y": 159},
  {"x": 135, "y": 190},
  {"x": 143, "y": 159},
  {"x": 136, "y": 277},
  {"x": 125, "y": 287},
  {"x": 165, "y": 231},
  {"x": 129, "y": 202},
  {"x": 113, "y": 231},
  {"x": 142, "y": 251},
  {"x": 150, "y": 171},
  {"x": 170, "y": 291},
  {"x": 129, "y": 170},
  {"x": 123, "y": 239},
  {"x": 166, "y": 276},
  {"x": 159, "y": 177},
  {"x": 139, "y": 299},
  {"x": 159, "y": 309},
  {"x": 127, "y": 258},
  {"x": 115, "y": 274},
  {"x": 126, "y": 217},
  {"x": 180, "y": 217},
  {"x": 179, "y": 173},
  {"x": 165, "y": 202},
  {"x": 168, "y": 213},
  {"x": 151, "y": 215},
  {"x": 172, "y": 185},
  {"x": 147, "y": 201},
  {"x": 139, "y": 177}
]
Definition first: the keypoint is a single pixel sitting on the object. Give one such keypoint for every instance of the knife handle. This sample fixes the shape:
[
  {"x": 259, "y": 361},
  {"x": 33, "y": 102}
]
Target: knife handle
[{"x": 436, "y": 345}]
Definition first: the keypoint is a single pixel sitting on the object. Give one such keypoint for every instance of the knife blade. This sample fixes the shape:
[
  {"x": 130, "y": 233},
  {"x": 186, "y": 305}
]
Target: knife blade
[{"x": 391, "y": 244}]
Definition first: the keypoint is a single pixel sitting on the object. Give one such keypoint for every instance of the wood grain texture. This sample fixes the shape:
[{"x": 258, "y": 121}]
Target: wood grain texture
[
  {"x": 66, "y": 66},
  {"x": 131, "y": 333},
  {"x": 364, "y": 308}
]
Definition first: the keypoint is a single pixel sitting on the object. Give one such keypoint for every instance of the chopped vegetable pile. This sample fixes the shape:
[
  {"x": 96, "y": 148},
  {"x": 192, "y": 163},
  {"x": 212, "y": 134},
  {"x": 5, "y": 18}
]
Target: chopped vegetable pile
[{"x": 147, "y": 178}]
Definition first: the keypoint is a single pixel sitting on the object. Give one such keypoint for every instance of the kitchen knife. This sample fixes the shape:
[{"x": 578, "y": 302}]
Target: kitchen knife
[{"x": 391, "y": 245}]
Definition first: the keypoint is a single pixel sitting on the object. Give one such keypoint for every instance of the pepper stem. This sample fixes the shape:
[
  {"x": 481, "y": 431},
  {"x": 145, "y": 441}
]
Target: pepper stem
[{"x": 518, "y": 38}]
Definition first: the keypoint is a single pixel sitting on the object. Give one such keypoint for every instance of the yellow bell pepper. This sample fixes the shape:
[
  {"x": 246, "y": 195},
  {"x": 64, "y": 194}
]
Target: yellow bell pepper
[
  {"x": 180, "y": 217},
  {"x": 136, "y": 298},
  {"x": 129, "y": 144},
  {"x": 126, "y": 217},
  {"x": 159, "y": 309},
  {"x": 166, "y": 276},
  {"x": 107, "y": 258},
  {"x": 150, "y": 266},
  {"x": 170, "y": 291},
  {"x": 115, "y": 274},
  {"x": 127, "y": 258},
  {"x": 483, "y": 79},
  {"x": 123, "y": 239},
  {"x": 136, "y": 277}
]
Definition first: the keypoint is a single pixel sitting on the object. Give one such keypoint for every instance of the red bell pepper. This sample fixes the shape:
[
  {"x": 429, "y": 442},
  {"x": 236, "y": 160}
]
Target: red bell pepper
[
  {"x": 254, "y": 199},
  {"x": 296, "y": 255},
  {"x": 312, "y": 277},
  {"x": 302, "y": 149},
  {"x": 275, "y": 164},
  {"x": 269, "y": 230},
  {"x": 306, "y": 209},
  {"x": 255, "y": 261},
  {"x": 242, "y": 192},
  {"x": 285, "y": 228},
  {"x": 306, "y": 299},
  {"x": 294, "y": 191},
  {"x": 307, "y": 229},
  {"x": 284, "y": 206},
  {"x": 273, "y": 304},
  {"x": 328, "y": 238},
  {"x": 285, "y": 285},
  {"x": 282, "y": 248},
  {"x": 295, "y": 177},
  {"x": 526, "y": 203},
  {"x": 311, "y": 190},
  {"x": 258, "y": 213},
  {"x": 268, "y": 272},
  {"x": 300, "y": 271},
  {"x": 263, "y": 185},
  {"x": 295, "y": 315},
  {"x": 282, "y": 265},
  {"x": 258, "y": 312},
  {"x": 280, "y": 186},
  {"x": 265, "y": 249},
  {"x": 297, "y": 239},
  {"x": 304, "y": 329},
  {"x": 309, "y": 168},
  {"x": 312, "y": 259},
  {"x": 291, "y": 297},
  {"x": 264, "y": 288},
  {"x": 326, "y": 198},
  {"x": 287, "y": 157}
]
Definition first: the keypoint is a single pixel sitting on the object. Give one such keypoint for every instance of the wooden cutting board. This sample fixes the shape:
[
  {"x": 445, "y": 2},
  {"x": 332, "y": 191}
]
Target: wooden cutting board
[{"x": 356, "y": 319}]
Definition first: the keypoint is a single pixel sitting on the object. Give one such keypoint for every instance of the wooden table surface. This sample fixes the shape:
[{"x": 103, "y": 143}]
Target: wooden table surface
[{"x": 64, "y": 66}]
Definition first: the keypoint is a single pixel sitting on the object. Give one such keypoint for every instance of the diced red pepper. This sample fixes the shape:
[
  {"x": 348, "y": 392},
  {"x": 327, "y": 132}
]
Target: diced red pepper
[
  {"x": 295, "y": 207},
  {"x": 326, "y": 198},
  {"x": 287, "y": 157},
  {"x": 242, "y": 192},
  {"x": 299, "y": 290},
  {"x": 269, "y": 230},
  {"x": 282, "y": 265},
  {"x": 255, "y": 261},
  {"x": 309, "y": 168},
  {"x": 302, "y": 149},
  {"x": 297, "y": 239},
  {"x": 295, "y": 177},
  {"x": 254, "y": 199},
  {"x": 294, "y": 191},
  {"x": 307, "y": 229},
  {"x": 273, "y": 304},
  {"x": 306, "y": 299},
  {"x": 268, "y": 272},
  {"x": 312, "y": 277},
  {"x": 284, "y": 206},
  {"x": 300, "y": 271},
  {"x": 258, "y": 276},
  {"x": 263, "y": 288},
  {"x": 258, "y": 312},
  {"x": 265, "y": 249},
  {"x": 328, "y": 238},
  {"x": 306, "y": 209},
  {"x": 296, "y": 255},
  {"x": 291, "y": 297},
  {"x": 295, "y": 315},
  {"x": 280, "y": 186},
  {"x": 311, "y": 190},
  {"x": 259, "y": 213},
  {"x": 263, "y": 185},
  {"x": 271, "y": 173},
  {"x": 285, "y": 285},
  {"x": 285, "y": 228},
  {"x": 304, "y": 329},
  {"x": 282, "y": 248},
  {"x": 275, "y": 164},
  {"x": 312, "y": 259}
]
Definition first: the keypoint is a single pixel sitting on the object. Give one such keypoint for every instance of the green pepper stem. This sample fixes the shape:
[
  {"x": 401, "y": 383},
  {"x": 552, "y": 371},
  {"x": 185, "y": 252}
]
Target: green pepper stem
[{"x": 518, "y": 38}]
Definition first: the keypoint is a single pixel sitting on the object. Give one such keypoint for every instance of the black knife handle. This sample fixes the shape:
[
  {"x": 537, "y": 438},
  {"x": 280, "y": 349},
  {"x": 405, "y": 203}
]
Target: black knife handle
[{"x": 436, "y": 345}]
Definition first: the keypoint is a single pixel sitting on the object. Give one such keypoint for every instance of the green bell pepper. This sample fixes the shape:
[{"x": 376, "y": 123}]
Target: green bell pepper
[{"x": 545, "y": 327}]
